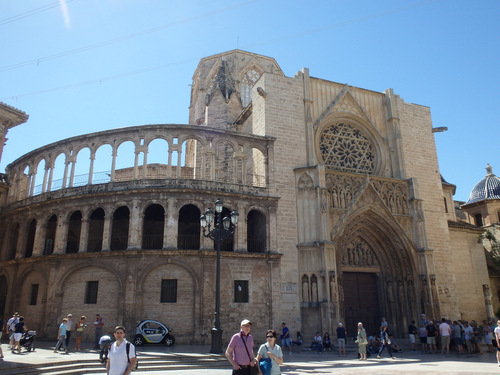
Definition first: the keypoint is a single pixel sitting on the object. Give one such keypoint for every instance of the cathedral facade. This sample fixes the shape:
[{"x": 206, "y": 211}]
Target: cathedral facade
[{"x": 344, "y": 215}]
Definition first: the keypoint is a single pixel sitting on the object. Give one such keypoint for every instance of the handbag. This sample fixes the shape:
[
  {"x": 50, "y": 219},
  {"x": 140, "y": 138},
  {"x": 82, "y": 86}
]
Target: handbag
[{"x": 265, "y": 366}]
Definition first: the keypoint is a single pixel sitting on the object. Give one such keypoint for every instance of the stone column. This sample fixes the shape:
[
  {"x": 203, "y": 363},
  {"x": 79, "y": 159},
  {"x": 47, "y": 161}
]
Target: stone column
[
  {"x": 39, "y": 243},
  {"x": 171, "y": 225},
  {"x": 135, "y": 226},
  {"x": 240, "y": 232},
  {"x": 487, "y": 301},
  {"x": 113, "y": 163},
  {"x": 61, "y": 235},
  {"x": 91, "y": 167},
  {"x": 106, "y": 232},
  {"x": 84, "y": 235},
  {"x": 51, "y": 176}
]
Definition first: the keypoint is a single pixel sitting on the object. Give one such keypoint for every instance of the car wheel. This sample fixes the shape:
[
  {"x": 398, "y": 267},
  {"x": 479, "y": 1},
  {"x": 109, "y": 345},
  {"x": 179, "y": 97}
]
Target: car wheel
[
  {"x": 169, "y": 340},
  {"x": 139, "y": 340}
]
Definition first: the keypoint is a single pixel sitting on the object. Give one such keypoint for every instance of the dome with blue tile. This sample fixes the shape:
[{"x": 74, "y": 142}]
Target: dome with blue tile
[{"x": 487, "y": 188}]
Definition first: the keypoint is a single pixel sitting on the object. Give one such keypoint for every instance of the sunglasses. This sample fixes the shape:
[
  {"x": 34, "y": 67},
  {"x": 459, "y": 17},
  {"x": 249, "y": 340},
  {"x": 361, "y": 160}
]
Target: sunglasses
[{"x": 270, "y": 337}]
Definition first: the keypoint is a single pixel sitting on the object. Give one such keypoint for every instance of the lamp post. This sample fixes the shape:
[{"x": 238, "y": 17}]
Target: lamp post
[{"x": 218, "y": 232}]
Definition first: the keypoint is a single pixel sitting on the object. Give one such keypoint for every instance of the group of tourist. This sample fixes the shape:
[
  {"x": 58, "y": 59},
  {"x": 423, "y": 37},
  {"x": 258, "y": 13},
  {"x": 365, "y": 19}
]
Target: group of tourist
[
  {"x": 66, "y": 328},
  {"x": 461, "y": 335}
]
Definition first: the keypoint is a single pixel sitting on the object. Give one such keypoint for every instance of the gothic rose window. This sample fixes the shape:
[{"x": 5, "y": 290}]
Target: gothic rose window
[{"x": 345, "y": 148}]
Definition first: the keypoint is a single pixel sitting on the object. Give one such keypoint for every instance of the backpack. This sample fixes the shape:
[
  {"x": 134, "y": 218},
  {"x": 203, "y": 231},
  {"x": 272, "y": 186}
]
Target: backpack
[{"x": 136, "y": 359}]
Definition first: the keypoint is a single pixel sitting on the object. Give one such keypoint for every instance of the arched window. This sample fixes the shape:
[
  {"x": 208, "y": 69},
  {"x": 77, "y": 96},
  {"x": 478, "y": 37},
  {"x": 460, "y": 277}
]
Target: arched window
[
  {"x": 74, "y": 231},
  {"x": 152, "y": 229},
  {"x": 14, "y": 237},
  {"x": 30, "y": 240},
  {"x": 96, "y": 228},
  {"x": 119, "y": 230},
  {"x": 50, "y": 236},
  {"x": 256, "y": 232},
  {"x": 247, "y": 83},
  {"x": 188, "y": 231},
  {"x": 228, "y": 243}
]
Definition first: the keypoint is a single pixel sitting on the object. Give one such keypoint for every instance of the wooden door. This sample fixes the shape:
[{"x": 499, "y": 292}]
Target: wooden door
[{"x": 361, "y": 302}]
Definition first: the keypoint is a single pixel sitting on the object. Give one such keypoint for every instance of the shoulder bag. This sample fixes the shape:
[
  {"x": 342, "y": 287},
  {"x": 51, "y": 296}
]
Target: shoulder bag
[
  {"x": 265, "y": 364},
  {"x": 254, "y": 370}
]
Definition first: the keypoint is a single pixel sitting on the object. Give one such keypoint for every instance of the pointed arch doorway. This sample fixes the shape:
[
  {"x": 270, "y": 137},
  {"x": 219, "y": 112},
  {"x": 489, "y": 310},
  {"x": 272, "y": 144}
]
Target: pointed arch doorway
[{"x": 376, "y": 274}]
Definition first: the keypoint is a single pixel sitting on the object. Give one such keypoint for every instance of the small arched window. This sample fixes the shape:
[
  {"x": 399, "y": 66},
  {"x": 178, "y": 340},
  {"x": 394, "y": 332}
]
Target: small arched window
[{"x": 247, "y": 83}]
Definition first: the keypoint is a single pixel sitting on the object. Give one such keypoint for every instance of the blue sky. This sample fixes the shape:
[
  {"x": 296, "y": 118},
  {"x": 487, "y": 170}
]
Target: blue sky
[{"x": 80, "y": 66}]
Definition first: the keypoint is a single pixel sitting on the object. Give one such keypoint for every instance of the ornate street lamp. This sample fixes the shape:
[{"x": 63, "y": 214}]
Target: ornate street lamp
[{"x": 218, "y": 232}]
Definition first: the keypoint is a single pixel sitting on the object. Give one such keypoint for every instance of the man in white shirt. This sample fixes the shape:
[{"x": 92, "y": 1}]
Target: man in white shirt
[
  {"x": 119, "y": 363},
  {"x": 69, "y": 327},
  {"x": 10, "y": 326},
  {"x": 445, "y": 332},
  {"x": 497, "y": 338}
]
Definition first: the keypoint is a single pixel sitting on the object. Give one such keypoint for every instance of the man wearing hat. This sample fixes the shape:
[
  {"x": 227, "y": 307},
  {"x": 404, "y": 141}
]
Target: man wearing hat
[
  {"x": 341, "y": 336},
  {"x": 240, "y": 350}
]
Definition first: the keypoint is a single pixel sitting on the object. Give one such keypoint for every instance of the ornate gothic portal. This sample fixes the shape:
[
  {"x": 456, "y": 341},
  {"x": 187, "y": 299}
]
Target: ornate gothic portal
[{"x": 376, "y": 274}]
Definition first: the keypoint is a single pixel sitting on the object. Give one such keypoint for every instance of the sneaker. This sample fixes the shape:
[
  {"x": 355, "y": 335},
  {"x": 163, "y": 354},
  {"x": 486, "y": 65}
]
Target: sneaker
[
  {"x": 393, "y": 357},
  {"x": 55, "y": 351},
  {"x": 378, "y": 357}
]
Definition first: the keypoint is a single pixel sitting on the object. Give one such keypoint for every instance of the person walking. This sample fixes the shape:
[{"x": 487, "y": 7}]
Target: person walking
[
  {"x": 362, "y": 342},
  {"x": 121, "y": 356},
  {"x": 285, "y": 338},
  {"x": 18, "y": 333},
  {"x": 61, "y": 337},
  {"x": 240, "y": 352},
  {"x": 385, "y": 342},
  {"x": 10, "y": 327},
  {"x": 69, "y": 328},
  {"x": 271, "y": 350},
  {"x": 98, "y": 324}
]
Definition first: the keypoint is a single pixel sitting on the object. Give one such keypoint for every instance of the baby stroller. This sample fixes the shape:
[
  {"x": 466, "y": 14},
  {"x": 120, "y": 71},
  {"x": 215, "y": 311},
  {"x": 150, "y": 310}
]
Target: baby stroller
[{"x": 27, "y": 340}]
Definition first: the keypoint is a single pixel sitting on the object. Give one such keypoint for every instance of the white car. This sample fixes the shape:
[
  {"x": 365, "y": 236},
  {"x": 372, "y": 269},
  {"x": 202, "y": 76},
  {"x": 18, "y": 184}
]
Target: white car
[{"x": 153, "y": 332}]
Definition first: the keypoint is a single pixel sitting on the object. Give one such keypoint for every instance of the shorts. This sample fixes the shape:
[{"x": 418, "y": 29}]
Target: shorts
[
  {"x": 412, "y": 338},
  {"x": 341, "y": 343},
  {"x": 431, "y": 340},
  {"x": 286, "y": 342},
  {"x": 17, "y": 337},
  {"x": 445, "y": 341},
  {"x": 423, "y": 340},
  {"x": 457, "y": 341}
]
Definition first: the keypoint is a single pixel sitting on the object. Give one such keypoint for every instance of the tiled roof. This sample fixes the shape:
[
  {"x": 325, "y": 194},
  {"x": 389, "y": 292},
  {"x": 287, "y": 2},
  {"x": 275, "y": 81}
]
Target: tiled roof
[
  {"x": 487, "y": 188},
  {"x": 463, "y": 225}
]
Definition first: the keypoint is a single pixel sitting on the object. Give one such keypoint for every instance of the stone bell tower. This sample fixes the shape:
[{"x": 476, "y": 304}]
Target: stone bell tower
[{"x": 222, "y": 87}]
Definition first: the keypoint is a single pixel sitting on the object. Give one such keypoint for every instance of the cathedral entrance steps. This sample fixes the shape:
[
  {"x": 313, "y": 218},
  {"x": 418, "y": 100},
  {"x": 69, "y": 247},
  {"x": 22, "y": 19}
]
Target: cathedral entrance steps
[
  {"x": 151, "y": 359},
  {"x": 89, "y": 366}
]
